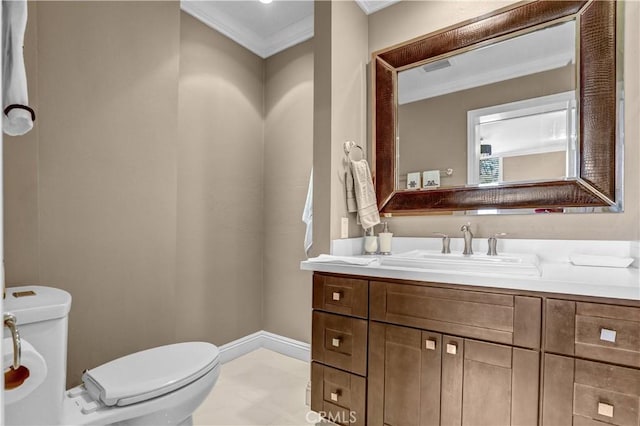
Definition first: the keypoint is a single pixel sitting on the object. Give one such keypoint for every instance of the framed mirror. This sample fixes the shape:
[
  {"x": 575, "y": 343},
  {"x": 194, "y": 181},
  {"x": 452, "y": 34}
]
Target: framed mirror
[{"x": 513, "y": 111}]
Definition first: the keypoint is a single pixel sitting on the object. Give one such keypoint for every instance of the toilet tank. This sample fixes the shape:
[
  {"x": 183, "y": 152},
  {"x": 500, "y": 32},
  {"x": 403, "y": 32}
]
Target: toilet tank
[{"x": 42, "y": 318}]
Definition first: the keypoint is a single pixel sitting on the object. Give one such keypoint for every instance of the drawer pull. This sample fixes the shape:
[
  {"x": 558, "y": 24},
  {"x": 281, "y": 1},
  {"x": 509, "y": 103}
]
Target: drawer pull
[
  {"x": 335, "y": 342},
  {"x": 608, "y": 335},
  {"x": 337, "y": 295},
  {"x": 605, "y": 409},
  {"x": 430, "y": 344},
  {"x": 335, "y": 395},
  {"x": 452, "y": 348}
]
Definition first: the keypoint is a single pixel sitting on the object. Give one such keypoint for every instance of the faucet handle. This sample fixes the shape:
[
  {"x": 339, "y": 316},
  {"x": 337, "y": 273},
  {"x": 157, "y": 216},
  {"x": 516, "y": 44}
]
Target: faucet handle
[
  {"x": 446, "y": 242},
  {"x": 493, "y": 243}
]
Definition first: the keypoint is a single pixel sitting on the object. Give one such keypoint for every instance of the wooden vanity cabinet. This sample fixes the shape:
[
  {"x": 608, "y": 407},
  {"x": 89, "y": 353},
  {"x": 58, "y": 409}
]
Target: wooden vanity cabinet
[
  {"x": 339, "y": 337},
  {"x": 436, "y": 354}
]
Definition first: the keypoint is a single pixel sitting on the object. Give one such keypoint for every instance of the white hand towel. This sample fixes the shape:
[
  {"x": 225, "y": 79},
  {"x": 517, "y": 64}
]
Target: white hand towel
[
  {"x": 307, "y": 216},
  {"x": 352, "y": 205},
  {"x": 365, "y": 194},
  {"x": 18, "y": 118},
  {"x": 350, "y": 260}
]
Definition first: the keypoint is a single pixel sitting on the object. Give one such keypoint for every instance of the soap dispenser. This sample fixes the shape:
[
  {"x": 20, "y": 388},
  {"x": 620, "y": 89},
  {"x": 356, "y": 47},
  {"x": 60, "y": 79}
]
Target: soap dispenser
[{"x": 385, "y": 239}]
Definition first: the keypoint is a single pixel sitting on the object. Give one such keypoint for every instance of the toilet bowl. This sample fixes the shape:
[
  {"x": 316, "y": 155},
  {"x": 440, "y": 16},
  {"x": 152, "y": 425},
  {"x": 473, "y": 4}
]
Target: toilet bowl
[{"x": 158, "y": 386}]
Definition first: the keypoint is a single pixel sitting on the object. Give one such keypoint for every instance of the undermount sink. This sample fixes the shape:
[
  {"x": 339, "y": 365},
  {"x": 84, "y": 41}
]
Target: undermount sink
[{"x": 516, "y": 264}]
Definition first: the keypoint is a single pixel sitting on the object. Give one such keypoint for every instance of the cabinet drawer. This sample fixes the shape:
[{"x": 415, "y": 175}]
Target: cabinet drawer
[
  {"x": 584, "y": 392},
  {"x": 501, "y": 318},
  {"x": 337, "y": 395},
  {"x": 340, "y": 342},
  {"x": 345, "y": 296},
  {"x": 593, "y": 330}
]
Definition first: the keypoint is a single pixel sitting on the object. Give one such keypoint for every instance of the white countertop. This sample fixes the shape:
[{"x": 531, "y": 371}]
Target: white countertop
[{"x": 558, "y": 275}]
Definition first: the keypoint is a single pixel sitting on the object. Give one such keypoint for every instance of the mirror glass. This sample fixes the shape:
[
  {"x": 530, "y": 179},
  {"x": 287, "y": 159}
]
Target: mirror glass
[{"x": 501, "y": 113}]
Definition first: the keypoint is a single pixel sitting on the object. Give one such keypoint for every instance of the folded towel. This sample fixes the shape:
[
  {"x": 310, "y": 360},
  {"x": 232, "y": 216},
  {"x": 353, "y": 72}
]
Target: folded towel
[
  {"x": 19, "y": 117},
  {"x": 365, "y": 194},
  {"x": 307, "y": 216},
  {"x": 350, "y": 260}
]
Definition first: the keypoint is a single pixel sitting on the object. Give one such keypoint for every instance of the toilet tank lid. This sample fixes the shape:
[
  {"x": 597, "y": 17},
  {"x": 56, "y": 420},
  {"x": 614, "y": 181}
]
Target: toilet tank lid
[
  {"x": 151, "y": 373},
  {"x": 33, "y": 303}
]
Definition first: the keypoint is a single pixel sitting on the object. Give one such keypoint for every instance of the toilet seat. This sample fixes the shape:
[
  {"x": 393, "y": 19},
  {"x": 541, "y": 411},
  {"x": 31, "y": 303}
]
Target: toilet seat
[{"x": 151, "y": 373}]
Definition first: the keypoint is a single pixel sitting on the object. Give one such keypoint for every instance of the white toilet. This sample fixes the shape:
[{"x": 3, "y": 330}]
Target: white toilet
[{"x": 159, "y": 386}]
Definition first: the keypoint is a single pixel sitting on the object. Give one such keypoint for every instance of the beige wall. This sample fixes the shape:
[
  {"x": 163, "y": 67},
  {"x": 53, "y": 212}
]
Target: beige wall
[
  {"x": 220, "y": 200},
  {"x": 108, "y": 98},
  {"x": 323, "y": 164},
  {"x": 140, "y": 190},
  {"x": 409, "y": 19},
  {"x": 288, "y": 158},
  {"x": 21, "y": 179},
  {"x": 548, "y": 165},
  {"x": 433, "y": 132},
  {"x": 340, "y": 111}
]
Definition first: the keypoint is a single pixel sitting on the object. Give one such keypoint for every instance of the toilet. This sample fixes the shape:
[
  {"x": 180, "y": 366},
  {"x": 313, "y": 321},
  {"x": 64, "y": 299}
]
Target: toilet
[{"x": 158, "y": 386}]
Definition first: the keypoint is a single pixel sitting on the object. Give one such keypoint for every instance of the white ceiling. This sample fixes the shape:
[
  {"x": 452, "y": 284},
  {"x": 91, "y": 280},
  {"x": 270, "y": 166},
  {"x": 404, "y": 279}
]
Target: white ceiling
[
  {"x": 265, "y": 29},
  {"x": 538, "y": 51}
]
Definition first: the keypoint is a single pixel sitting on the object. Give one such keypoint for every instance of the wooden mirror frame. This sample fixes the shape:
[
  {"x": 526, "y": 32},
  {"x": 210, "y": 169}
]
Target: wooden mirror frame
[{"x": 595, "y": 185}]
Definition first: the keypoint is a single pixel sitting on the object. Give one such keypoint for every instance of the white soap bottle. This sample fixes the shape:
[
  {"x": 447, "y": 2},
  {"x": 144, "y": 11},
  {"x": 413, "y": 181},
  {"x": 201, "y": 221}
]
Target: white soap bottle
[{"x": 385, "y": 239}]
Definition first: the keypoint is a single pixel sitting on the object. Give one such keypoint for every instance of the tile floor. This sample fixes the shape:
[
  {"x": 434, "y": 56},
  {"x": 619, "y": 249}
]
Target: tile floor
[{"x": 260, "y": 388}]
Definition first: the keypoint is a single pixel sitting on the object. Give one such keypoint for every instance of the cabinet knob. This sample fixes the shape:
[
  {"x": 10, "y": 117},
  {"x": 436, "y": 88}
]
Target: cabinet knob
[
  {"x": 430, "y": 344},
  {"x": 335, "y": 342},
  {"x": 607, "y": 335},
  {"x": 452, "y": 348},
  {"x": 335, "y": 395},
  {"x": 336, "y": 295},
  {"x": 605, "y": 409}
]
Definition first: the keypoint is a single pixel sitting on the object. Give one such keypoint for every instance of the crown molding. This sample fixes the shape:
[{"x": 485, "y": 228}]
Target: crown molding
[
  {"x": 227, "y": 25},
  {"x": 372, "y": 6}
]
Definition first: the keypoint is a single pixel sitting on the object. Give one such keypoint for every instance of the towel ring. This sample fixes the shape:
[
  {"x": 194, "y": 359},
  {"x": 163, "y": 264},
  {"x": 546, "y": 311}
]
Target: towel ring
[{"x": 349, "y": 145}]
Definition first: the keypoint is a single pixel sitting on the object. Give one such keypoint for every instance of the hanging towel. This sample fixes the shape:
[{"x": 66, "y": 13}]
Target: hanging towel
[
  {"x": 349, "y": 188},
  {"x": 18, "y": 116},
  {"x": 365, "y": 194},
  {"x": 352, "y": 205},
  {"x": 307, "y": 216}
]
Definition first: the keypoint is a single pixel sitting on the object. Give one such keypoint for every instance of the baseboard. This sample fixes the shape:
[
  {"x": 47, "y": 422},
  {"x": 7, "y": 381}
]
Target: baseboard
[
  {"x": 286, "y": 346},
  {"x": 264, "y": 339}
]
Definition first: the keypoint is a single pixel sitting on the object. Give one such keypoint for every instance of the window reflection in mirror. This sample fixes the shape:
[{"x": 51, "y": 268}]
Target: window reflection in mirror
[
  {"x": 501, "y": 113},
  {"x": 529, "y": 140}
]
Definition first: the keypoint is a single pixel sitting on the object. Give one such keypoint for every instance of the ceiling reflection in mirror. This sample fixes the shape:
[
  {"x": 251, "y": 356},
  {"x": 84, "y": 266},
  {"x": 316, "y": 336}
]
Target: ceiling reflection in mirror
[{"x": 501, "y": 113}]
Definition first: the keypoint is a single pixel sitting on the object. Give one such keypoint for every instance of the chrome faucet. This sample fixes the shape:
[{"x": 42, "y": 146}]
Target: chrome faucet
[
  {"x": 446, "y": 243},
  {"x": 468, "y": 239},
  {"x": 493, "y": 243}
]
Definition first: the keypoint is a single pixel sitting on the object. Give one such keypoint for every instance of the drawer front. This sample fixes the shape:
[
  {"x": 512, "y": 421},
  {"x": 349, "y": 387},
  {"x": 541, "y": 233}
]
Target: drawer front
[
  {"x": 595, "y": 331},
  {"x": 340, "y": 342},
  {"x": 341, "y": 295},
  {"x": 500, "y": 318},
  {"x": 338, "y": 395},
  {"x": 587, "y": 392}
]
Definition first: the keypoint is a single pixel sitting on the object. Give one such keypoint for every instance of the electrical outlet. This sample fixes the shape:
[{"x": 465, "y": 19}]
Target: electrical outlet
[{"x": 344, "y": 228}]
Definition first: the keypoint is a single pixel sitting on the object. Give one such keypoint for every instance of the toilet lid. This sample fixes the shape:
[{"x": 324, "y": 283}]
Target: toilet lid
[{"x": 151, "y": 373}]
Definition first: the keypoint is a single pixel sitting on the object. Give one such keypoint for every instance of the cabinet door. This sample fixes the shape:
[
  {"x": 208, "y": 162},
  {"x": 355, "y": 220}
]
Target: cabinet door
[
  {"x": 404, "y": 376},
  {"x": 500, "y": 385},
  {"x": 423, "y": 378}
]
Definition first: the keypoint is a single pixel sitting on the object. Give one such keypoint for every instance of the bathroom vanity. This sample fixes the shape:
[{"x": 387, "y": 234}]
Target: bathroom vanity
[{"x": 405, "y": 352}]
